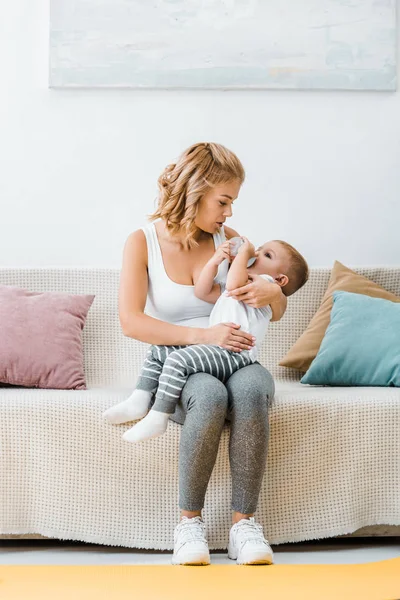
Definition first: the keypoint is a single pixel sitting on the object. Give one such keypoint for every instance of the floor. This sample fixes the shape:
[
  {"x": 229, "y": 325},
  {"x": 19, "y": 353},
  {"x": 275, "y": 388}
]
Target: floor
[{"x": 333, "y": 551}]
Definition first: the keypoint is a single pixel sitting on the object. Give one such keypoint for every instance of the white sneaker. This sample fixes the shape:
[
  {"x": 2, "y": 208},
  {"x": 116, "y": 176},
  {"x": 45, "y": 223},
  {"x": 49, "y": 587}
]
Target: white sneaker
[
  {"x": 190, "y": 544},
  {"x": 247, "y": 544}
]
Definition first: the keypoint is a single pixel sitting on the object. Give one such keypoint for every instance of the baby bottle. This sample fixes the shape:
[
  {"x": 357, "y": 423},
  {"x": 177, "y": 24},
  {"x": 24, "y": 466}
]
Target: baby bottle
[{"x": 235, "y": 244}]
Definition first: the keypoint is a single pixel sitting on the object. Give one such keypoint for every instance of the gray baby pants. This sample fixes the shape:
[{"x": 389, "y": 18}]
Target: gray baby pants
[
  {"x": 167, "y": 368},
  {"x": 204, "y": 407}
]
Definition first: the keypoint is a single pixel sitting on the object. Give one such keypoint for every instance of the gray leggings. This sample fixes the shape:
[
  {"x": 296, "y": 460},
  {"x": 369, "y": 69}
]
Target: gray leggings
[{"x": 205, "y": 403}]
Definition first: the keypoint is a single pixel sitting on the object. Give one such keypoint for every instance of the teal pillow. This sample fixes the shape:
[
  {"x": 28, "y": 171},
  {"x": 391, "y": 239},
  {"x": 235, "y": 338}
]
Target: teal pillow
[{"x": 361, "y": 345}]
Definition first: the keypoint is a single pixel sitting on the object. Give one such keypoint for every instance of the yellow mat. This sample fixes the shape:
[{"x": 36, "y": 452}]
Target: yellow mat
[{"x": 369, "y": 581}]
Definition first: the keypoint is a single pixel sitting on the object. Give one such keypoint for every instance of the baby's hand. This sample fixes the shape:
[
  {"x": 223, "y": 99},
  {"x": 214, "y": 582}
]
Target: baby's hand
[
  {"x": 221, "y": 253},
  {"x": 247, "y": 247}
]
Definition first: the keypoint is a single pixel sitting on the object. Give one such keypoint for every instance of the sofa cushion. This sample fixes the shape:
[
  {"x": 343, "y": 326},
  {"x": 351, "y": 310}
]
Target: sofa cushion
[
  {"x": 361, "y": 345},
  {"x": 41, "y": 338},
  {"x": 332, "y": 466},
  {"x": 305, "y": 349}
]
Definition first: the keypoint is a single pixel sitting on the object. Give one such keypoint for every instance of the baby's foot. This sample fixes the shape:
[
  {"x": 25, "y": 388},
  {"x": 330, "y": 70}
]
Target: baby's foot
[
  {"x": 135, "y": 407},
  {"x": 153, "y": 425}
]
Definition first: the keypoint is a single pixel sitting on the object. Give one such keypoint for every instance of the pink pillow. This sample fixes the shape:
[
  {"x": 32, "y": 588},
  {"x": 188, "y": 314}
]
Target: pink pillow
[{"x": 41, "y": 338}]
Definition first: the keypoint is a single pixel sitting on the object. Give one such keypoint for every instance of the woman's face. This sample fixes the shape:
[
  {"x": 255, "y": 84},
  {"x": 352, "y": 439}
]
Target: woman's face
[{"x": 216, "y": 206}]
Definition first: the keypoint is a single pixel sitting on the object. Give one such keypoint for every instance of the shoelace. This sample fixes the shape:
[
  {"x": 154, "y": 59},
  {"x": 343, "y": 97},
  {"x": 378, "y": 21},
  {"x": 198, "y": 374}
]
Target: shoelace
[
  {"x": 191, "y": 530},
  {"x": 246, "y": 527}
]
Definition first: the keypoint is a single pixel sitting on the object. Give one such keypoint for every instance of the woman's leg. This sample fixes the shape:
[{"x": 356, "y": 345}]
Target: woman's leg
[
  {"x": 250, "y": 391},
  {"x": 202, "y": 411}
]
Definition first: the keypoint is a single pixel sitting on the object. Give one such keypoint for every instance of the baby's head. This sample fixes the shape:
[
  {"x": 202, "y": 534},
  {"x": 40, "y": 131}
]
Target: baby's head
[{"x": 284, "y": 263}]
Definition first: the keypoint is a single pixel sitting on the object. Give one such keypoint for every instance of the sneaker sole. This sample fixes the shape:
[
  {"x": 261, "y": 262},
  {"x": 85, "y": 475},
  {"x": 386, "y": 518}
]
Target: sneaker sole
[
  {"x": 194, "y": 559},
  {"x": 260, "y": 559}
]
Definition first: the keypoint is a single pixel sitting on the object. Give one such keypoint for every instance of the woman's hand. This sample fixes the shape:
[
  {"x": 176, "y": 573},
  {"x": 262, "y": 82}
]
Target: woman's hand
[
  {"x": 229, "y": 336},
  {"x": 257, "y": 293},
  {"x": 221, "y": 253}
]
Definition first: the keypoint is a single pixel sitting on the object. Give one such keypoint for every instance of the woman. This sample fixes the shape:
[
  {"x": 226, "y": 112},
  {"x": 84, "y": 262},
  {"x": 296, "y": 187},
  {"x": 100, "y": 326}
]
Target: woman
[{"x": 161, "y": 263}]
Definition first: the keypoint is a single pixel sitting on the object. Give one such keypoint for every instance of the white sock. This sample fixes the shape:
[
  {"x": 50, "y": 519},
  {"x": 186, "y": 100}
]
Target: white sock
[
  {"x": 135, "y": 407},
  {"x": 153, "y": 425}
]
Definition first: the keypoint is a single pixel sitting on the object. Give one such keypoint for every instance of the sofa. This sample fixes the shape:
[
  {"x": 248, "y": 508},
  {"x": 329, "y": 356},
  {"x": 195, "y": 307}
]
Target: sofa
[{"x": 333, "y": 466}]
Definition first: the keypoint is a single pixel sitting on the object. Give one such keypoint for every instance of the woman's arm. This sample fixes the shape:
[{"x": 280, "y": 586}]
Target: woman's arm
[
  {"x": 132, "y": 301},
  {"x": 260, "y": 292},
  {"x": 279, "y": 305}
]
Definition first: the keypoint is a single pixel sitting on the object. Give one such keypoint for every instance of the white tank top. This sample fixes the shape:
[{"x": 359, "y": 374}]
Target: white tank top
[{"x": 176, "y": 302}]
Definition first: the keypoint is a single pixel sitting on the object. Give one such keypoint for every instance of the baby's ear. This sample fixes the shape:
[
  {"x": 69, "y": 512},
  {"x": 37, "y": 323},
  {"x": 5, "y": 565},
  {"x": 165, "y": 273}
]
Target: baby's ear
[{"x": 282, "y": 279}]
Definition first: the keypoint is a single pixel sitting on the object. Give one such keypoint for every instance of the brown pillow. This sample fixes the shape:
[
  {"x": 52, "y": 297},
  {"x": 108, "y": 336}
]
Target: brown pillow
[
  {"x": 303, "y": 352},
  {"x": 41, "y": 338}
]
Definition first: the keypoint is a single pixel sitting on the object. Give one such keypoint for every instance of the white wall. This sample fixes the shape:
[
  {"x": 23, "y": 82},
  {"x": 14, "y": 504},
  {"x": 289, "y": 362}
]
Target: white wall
[{"x": 78, "y": 169}]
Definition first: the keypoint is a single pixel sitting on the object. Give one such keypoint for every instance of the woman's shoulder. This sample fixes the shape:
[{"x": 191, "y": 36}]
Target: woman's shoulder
[
  {"x": 137, "y": 236},
  {"x": 230, "y": 233},
  {"x": 136, "y": 245}
]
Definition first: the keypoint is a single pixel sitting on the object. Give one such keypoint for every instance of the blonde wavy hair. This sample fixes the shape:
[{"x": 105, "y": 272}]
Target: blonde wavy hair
[{"x": 183, "y": 184}]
